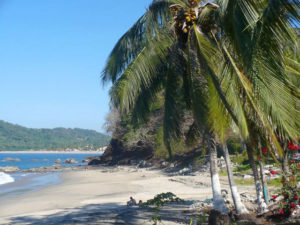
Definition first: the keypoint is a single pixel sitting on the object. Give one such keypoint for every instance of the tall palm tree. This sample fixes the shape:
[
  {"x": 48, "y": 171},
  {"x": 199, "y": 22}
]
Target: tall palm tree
[{"x": 149, "y": 59}]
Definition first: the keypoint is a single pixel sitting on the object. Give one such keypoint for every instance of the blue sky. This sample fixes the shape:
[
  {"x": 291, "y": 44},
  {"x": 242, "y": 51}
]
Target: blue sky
[{"x": 52, "y": 53}]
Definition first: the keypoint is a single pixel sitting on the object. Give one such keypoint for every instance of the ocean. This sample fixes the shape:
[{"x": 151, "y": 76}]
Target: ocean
[{"x": 21, "y": 182}]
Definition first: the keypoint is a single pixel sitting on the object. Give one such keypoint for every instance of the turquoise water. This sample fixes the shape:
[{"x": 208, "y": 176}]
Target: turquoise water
[{"x": 36, "y": 160}]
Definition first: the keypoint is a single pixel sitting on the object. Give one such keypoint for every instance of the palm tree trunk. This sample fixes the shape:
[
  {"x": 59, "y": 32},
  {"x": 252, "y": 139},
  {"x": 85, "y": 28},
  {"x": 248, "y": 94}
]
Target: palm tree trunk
[
  {"x": 218, "y": 200},
  {"x": 262, "y": 207},
  {"x": 263, "y": 179},
  {"x": 239, "y": 206},
  {"x": 285, "y": 164}
]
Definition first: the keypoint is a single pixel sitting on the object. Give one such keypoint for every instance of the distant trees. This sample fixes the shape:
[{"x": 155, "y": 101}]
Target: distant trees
[{"x": 14, "y": 137}]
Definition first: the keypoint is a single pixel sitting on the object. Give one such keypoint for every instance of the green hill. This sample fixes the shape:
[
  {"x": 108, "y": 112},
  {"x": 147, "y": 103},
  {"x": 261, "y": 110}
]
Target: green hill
[{"x": 15, "y": 137}]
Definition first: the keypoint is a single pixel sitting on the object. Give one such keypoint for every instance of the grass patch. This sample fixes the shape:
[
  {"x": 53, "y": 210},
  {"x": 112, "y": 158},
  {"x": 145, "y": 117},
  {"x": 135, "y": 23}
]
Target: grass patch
[
  {"x": 239, "y": 159},
  {"x": 246, "y": 182},
  {"x": 275, "y": 182},
  {"x": 223, "y": 173}
]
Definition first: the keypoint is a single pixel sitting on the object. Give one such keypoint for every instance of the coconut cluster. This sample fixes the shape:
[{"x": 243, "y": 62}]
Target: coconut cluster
[{"x": 184, "y": 19}]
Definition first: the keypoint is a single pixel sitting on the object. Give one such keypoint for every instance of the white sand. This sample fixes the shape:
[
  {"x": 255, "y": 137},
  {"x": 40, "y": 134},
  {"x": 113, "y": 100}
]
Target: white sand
[{"x": 81, "y": 189}]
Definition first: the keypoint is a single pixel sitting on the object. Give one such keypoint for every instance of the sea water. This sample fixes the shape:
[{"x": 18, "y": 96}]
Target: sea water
[
  {"x": 21, "y": 182},
  {"x": 36, "y": 160}
]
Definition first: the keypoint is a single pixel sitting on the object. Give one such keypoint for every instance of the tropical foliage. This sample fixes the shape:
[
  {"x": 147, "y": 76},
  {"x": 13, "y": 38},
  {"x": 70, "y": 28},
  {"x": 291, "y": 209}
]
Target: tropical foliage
[{"x": 233, "y": 64}]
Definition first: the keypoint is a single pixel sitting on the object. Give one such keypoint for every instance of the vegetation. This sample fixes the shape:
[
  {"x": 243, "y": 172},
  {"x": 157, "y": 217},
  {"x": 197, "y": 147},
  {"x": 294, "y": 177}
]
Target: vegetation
[
  {"x": 15, "y": 137},
  {"x": 159, "y": 201},
  {"x": 231, "y": 64}
]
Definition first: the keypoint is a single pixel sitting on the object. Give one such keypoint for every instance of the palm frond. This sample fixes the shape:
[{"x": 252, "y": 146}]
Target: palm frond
[{"x": 130, "y": 45}]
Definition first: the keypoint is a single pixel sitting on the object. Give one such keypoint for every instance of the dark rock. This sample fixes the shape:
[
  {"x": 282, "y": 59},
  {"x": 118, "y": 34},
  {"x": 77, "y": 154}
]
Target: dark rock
[
  {"x": 217, "y": 218},
  {"x": 90, "y": 158},
  {"x": 94, "y": 162},
  {"x": 118, "y": 154}
]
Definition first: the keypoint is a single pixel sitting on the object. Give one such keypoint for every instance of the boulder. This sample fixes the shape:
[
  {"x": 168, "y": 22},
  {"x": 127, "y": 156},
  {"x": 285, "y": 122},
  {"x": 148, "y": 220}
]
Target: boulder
[
  {"x": 58, "y": 161},
  {"x": 9, "y": 169},
  {"x": 90, "y": 158},
  {"x": 70, "y": 161}
]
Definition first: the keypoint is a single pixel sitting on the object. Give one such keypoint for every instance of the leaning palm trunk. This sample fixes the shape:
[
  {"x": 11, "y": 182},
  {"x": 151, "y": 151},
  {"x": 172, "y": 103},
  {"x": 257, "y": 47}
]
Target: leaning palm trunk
[
  {"x": 239, "y": 206},
  {"x": 218, "y": 200},
  {"x": 262, "y": 207}
]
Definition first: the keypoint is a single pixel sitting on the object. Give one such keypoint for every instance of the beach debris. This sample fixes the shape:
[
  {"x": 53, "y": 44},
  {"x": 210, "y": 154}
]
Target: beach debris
[
  {"x": 247, "y": 177},
  {"x": 11, "y": 160},
  {"x": 9, "y": 169}
]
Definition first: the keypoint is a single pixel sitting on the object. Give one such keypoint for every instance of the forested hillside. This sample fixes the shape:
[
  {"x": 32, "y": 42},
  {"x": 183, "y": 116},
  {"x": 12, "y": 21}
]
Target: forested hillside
[{"x": 15, "y": 137}]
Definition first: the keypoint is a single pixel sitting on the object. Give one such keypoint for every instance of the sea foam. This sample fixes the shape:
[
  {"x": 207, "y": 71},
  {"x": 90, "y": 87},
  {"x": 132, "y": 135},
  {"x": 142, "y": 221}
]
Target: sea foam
[{"x": 5, "y": 178}]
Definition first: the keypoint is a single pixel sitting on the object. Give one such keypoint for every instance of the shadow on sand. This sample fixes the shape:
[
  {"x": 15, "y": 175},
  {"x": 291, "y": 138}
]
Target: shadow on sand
[{"x": 107, "y": 214}]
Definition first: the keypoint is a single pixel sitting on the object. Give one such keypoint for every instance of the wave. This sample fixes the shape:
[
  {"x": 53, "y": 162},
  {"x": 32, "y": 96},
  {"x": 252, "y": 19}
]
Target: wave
[{"x": 5, "y": 178}]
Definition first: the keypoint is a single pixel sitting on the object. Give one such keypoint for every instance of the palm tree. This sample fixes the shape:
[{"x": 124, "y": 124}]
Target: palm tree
[
  {"x": 243, "y": 89},
  {"x": 255, "y": 34}
]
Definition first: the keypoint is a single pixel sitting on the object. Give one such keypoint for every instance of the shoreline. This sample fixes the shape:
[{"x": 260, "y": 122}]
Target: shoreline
[
  {"x": 51, "y": 152},
  {"x": 100, "y": 194}
]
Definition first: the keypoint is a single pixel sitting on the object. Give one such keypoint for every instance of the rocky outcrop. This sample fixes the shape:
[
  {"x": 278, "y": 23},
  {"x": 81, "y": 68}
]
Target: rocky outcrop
[
  {"x": 9, "y": 169},
  {"x": 11, "y": 160},
  {"x": 117, "y": 153},
  {"x": 90, "y": 158}
]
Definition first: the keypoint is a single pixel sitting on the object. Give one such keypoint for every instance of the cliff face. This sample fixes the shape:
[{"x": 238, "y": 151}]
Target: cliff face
[{"x": 133, "y": 144}]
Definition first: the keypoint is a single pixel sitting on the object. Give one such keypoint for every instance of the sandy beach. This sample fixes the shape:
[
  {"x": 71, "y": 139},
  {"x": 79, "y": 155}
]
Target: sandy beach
[{"x": 99, "y": 196}]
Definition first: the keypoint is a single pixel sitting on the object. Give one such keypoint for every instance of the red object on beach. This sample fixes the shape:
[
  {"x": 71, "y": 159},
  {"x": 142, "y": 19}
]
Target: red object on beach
[
  {"x": 293, "y": 179},
  {"x": 264, "y": 150},
  {"x": 274, "y": 197},
  {"x": 273, "y": 172}
]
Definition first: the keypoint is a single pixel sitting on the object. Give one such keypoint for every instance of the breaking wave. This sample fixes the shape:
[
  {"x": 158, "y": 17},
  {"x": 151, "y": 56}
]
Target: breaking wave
[{"x": 5, "y": 178}]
